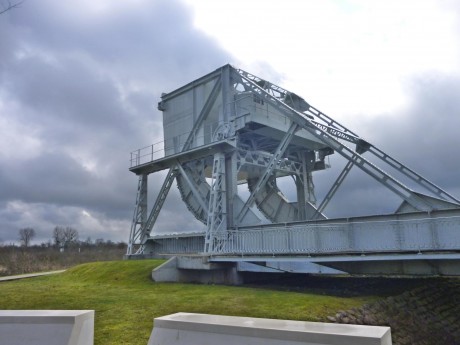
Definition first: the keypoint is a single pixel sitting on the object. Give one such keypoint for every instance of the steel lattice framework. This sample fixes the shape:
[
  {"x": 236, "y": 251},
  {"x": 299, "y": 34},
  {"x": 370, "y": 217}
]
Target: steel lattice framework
[{"x": 231, "y": 127}]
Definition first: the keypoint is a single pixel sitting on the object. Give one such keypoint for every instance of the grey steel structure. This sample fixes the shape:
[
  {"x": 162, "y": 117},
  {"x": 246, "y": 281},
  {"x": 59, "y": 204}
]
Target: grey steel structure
[{"x": 230, "y": 127}]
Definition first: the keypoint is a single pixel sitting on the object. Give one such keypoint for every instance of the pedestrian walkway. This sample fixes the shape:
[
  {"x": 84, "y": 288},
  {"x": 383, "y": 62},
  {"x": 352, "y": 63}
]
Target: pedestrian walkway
[{"x": 29, "y": 275}]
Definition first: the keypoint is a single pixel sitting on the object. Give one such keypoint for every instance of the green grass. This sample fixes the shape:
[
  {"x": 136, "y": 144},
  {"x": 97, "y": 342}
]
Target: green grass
[{"x": 126, "y": 300}]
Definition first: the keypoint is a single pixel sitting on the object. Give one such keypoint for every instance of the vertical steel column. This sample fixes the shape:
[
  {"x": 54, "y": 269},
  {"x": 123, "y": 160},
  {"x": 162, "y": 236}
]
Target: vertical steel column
[
  {"x": 217, "y": 215},
  {"x": 305, "y": 187},
  {"x": 300, "y": 190},
  {"x": 231, "y": 187},
  {"x": 140, "y": 214},
  {"x": 308, "y": 163},
  {"x": 227, "y": 96},
  {"x": 269, "y": 170}
]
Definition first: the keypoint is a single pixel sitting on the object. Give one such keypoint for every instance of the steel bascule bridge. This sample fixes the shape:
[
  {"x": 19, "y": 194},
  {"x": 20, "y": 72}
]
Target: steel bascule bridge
[{"x": 230, "y": 128}]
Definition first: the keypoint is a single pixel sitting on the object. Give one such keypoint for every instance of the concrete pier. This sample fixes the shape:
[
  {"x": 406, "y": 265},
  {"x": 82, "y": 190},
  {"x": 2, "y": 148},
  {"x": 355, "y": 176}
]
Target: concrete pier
[{"x": 197, "y": 269}]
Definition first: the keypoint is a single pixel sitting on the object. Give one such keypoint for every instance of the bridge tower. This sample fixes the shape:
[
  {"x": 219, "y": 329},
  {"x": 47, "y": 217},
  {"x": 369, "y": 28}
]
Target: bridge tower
[{"x": 229, "y": 128}]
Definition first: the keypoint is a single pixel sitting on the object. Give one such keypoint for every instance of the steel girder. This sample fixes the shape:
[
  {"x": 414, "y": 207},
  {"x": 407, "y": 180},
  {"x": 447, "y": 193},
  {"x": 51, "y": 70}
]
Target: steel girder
[
  {"x": 139, "y": 216},
  {"x": 140, "y": 230},
  {"x": 269, "y": 170},
  {"x": 217, "y": 215},
  {"x": 301, "y": 116},
  {"x": 334, "y": 188},
  {"x": 406, "y": 171},
  {"x": 301, "y": 113}
]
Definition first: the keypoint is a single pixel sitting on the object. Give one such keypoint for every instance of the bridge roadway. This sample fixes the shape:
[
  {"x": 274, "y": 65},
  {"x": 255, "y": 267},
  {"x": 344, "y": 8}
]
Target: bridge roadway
[{"x": 415, "y": 243}]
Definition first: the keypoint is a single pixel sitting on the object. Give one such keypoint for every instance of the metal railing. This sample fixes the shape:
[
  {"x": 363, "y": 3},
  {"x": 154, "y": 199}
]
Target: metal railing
[
  {"x": 429, "y": 234},
  {"x": 384, "y": 236},
  {"x": 147, "y": 154},
  {"x": 170, "y": 146}
]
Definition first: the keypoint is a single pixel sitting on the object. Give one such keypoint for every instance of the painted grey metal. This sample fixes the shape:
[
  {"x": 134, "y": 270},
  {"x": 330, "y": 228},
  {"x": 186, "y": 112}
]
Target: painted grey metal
[
  {"x": 178, "y": 244},
  {"x": 304, "y": 121},
  {"x": 141, "y": 225},
  {"x": 369, "y": 237},
  {"x": 196, "y": 192},
  {"x": 387, "y": 235},
  {"x": 203, "y": 113},
  {"x": 192, "y": 187},
  {"x": 334, "y": 188},
  {"x": 160, "y": 199},
  {"x": 233, "y": 127},
  {"x": 137, "y": 233},
  {"x": 217, "y": 220},
  {"x": 263, "y": 179},
  {"x": 210, "y": 121},
  {"x": 414, "y": 176}
]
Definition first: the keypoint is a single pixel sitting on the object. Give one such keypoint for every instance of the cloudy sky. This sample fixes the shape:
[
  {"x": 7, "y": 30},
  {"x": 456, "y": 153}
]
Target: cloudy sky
[{"x": 80, "y": 80}]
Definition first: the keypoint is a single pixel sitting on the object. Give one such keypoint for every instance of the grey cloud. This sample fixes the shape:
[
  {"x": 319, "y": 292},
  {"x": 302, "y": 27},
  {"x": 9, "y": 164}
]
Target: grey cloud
[
  {"x": 155, "y": 38},
  {"x": 58, "y": 179},
  {"x": 69, "y": 91},
  {"x": 88, "y": 84},
  {"x": 85, "y": 85},
  {"x": 423, "y": 136}
]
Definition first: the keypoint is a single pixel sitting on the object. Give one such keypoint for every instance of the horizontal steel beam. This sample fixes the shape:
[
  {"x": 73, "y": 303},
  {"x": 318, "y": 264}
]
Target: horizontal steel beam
[
  {"x": 183, "y": 157},
  {"x": 395, "y": 234},
  {"x": 338, "y": 258}
]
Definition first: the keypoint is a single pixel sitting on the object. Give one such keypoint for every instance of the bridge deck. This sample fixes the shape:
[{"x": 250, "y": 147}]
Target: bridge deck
[{"x": 431, "y": 240}]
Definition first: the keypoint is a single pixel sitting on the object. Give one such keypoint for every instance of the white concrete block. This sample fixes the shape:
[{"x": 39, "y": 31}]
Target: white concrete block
[
  {"x": 47, "y": 327},
  {"x": 202, "y": 329}
]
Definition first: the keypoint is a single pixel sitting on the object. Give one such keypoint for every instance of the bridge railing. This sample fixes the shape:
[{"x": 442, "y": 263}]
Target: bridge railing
[
  {"x": 429, "y": 234},
  {"x": 173, "y": 145}
]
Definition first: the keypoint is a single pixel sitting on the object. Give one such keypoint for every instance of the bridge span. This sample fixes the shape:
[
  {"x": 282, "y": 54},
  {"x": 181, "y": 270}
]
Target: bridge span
[
  {"x": 412, "y": 243},
  {"x": 230, "y": 128}
]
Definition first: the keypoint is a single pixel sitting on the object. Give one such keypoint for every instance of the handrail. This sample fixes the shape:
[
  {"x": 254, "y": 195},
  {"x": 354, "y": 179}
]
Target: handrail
[{"x": 154, "y": 151}]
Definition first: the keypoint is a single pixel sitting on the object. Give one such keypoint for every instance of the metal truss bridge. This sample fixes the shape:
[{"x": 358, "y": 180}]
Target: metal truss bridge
[{"x": 230, "y": 128}]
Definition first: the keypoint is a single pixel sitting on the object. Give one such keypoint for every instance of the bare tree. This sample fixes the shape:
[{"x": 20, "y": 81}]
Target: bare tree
[
  {"x": 9, "y": 6},
  {"x": 70, "y": 235},
  {"x": 58, "y": 236},
  {"x": 26, "y": 235},
  {"x": 64, "y": 236}
]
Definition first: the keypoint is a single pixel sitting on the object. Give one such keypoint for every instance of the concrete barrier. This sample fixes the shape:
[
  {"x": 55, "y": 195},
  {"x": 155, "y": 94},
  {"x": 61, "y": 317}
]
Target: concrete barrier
[
  {"x": 47, "y": 327},
  {"x": 202, "y": 329}
]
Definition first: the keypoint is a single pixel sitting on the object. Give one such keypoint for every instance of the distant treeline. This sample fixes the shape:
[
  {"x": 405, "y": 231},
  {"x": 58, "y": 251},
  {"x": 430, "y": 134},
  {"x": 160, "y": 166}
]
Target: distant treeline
[{"x": 54, "y": 256}]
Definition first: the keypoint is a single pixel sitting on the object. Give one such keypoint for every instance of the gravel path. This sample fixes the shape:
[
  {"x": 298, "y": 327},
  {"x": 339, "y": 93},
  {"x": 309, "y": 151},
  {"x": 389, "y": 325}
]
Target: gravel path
[{"x": 30, "y": 275}]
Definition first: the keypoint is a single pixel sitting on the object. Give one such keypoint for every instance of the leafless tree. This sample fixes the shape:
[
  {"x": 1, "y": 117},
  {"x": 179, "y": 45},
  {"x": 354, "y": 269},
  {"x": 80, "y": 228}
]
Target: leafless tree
[
  {"x": 26, "y": 235},
  {"x": 9, "y": 6},
  {"x": 58, "y": 236},
  {"x": 64, "y": 236},
  {"x": 70, "y": 235}
]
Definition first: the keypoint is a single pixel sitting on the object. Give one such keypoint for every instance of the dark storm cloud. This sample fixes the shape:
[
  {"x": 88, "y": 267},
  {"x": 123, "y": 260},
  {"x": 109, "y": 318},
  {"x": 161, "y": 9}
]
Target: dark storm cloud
[
  {"x": 78, "y": 92},
  {"x": 423, "y": 136},
  {"x": 125, "y": 36},
  {"x": 68, "y": 94},
  {"x": 59, "y": 179}
]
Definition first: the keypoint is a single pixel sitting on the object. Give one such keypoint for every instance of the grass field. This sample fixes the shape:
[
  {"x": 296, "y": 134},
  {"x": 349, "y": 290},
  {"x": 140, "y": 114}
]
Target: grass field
[{"x": 126, "y": 300}]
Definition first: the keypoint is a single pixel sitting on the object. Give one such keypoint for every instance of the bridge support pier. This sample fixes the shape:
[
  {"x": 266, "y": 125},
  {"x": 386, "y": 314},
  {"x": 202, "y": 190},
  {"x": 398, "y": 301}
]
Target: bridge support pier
[{"x": 197, "y": 269}]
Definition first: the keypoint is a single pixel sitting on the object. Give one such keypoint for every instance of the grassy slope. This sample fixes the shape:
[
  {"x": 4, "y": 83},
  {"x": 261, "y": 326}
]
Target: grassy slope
[{"x": 126, "y": 300}]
